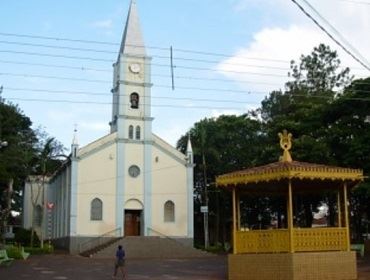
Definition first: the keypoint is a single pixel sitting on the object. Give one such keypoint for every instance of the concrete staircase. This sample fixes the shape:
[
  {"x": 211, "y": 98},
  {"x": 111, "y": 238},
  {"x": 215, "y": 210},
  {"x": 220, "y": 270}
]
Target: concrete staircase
[{"x": 138, "y": 247}]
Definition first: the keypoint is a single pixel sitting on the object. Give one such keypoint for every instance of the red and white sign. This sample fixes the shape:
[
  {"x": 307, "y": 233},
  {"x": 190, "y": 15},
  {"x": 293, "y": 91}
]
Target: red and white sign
[{"x": 50, "y": 205}]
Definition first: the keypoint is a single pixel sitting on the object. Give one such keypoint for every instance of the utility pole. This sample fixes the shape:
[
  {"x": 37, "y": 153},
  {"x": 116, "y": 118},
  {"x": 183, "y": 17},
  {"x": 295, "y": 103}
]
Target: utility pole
[{"x": 205, "y": 208}]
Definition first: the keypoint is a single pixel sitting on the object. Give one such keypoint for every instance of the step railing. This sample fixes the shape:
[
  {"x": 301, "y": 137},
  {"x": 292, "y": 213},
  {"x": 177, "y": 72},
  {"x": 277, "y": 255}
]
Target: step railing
[
  {"x": 100, "y": 240},
  {"x": 162, "y": 235}
]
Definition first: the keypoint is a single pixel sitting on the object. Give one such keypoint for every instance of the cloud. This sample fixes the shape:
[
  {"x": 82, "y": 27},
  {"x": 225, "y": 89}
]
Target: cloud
[
  {"x": 350, "y": 19},
  {"x": 104, "y": 24},
  {"x": 263, "y": 65}
]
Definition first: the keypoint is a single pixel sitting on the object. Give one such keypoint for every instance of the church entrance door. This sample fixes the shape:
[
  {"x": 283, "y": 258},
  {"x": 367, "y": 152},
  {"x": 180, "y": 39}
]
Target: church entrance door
[{"x": 132, "y": 222}]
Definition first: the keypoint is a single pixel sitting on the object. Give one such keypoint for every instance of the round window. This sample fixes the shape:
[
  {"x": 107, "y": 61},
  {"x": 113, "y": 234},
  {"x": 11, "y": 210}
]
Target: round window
[{"x": 134, "y": 171}]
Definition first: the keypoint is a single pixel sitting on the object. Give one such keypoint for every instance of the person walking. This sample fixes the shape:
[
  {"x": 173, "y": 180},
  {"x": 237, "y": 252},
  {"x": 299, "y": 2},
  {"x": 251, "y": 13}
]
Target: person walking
[{"x": 120, "y": 262}]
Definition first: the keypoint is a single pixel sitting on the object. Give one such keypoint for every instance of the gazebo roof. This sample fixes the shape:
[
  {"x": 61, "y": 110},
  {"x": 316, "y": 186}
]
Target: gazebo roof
[{"x": 289, "y": 169}]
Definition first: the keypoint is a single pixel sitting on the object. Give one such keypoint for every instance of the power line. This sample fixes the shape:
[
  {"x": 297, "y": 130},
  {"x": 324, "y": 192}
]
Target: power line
[
  {"x": 106, "y": 82},
  {"x": 153, "y": 64},
  {"x": 56, "y": 47},
  {"x": 110, "y": 103},
  {"x": 84, "y": 68},
  {"x": 55, "y": 78},
  {"x": 187, "y": 98},
  {"x": 153, "y": 97},
  {"x": 331, "y": 36},
  {"x": 56, "y": 55},
  {"x": 116, "y": 44},
  {"x": 205, "y": 53},
  {"x": 81, "y": 68},
  {"x": 155, "y": 56}
]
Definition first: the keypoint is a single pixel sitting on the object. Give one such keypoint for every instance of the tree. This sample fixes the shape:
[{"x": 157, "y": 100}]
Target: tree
[
  {"x": 16, "y": 158},
  {"x": 301, "y": 107},
  {"x": 28, "y": 152},
  {"x": 220, "y": 145},
  {"x": 348, "y": 137},
  {"x": 49, "y": 151},
  {"x": 323, "y": 109}
]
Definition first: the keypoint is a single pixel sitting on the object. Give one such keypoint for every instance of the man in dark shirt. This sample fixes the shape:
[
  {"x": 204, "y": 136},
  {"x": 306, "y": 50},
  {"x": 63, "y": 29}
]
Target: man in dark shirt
[{"x": 120, "y": 262}]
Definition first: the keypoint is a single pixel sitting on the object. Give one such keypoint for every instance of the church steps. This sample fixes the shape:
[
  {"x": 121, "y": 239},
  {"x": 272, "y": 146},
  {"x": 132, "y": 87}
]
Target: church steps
[{"x": 151, "y": 247}]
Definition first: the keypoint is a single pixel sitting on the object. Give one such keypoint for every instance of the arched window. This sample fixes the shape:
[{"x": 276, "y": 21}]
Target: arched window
[
  {"x": 38, "y": 216},
  {"x": 131, "y": 132},
  {"x": 96, "y": 211},
  {"x": 137, "y": 133},
  {"x": 134, "y": 100},
  {"x": 169, "y": 211}
]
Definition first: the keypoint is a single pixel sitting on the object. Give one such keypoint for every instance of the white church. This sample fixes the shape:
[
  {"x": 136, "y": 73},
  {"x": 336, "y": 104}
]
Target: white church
[{"x": 130, "y": 182}]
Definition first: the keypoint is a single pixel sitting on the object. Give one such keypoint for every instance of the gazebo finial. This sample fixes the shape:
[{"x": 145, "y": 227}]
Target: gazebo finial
[{"x": 286, "y": 145}]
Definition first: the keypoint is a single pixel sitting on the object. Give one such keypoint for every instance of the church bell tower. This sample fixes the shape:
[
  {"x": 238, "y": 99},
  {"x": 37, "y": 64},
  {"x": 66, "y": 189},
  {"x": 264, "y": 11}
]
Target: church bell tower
[
  {"x": 131, "y": 107},
  {"x": 132, "y": 121}
]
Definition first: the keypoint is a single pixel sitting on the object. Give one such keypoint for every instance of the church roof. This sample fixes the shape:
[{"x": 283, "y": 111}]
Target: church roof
[{"x": 132, "y": 39}]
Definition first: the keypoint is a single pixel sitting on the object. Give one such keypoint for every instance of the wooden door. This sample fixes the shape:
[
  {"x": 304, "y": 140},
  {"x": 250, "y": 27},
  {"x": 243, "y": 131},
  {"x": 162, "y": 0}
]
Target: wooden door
[{"x": 132, "y": 223}]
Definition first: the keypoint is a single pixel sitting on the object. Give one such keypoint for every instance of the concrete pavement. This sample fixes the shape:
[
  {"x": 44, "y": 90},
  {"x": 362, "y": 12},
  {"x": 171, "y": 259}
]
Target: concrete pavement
[
  {"x": 80, "y": 268},
  {"x": 63, "y": 267}
]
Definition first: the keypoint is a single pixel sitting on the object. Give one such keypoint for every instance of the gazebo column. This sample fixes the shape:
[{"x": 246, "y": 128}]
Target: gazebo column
[
  {"x": 290, "y": 217},
  {"x": 346, "y": 219},
  {"x": 234, "y": 221},
  {"x": 339, "y": 210},
  {"x": 238, "y": 210}
]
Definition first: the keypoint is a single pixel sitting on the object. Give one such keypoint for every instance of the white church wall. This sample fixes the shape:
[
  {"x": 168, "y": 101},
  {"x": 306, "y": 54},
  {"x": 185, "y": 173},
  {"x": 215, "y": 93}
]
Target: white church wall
[
  {"x": 97, "y": 179},
  {"x": 58, "y": 194},
  {"x": 169, "y": 183},
  {"x": 134, "y": 154},
  {"x": 35, "y": 190}
]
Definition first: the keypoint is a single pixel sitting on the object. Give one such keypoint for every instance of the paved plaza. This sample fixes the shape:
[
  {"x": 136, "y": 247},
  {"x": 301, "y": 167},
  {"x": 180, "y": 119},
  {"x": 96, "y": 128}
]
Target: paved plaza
[{"x": 79, "y": 268}]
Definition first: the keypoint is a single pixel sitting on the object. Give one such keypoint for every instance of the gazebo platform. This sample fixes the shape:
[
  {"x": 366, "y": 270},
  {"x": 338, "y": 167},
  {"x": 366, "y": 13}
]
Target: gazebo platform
[{"x": 293, "y": 266}]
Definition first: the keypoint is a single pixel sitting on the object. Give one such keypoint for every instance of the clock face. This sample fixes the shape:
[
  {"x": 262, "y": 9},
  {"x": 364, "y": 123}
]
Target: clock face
[
  {"x": 134, "y": 171},
  {"x": 134, "y": 68}
]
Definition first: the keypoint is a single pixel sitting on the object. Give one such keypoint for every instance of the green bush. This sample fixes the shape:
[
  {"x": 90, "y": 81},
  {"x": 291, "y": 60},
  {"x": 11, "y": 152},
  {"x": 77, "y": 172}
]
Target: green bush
[
  {"x": 39, "y": 251},
  {"x": 23, "y": 237},
  {"x": 14, "y": 252}
]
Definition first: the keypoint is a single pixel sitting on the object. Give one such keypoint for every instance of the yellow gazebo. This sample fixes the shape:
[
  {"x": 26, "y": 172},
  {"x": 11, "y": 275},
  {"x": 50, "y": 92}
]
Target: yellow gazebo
[{"x": 292, "y": 252}]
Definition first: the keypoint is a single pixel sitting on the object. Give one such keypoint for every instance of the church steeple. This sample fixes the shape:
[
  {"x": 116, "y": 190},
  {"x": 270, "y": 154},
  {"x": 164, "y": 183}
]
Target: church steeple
[
  {"x": 189, "y": 151},
  {"x": 74, "y": 146},
  {"x": 131, "y": 106},
  {"x": 132, "y": 40}
]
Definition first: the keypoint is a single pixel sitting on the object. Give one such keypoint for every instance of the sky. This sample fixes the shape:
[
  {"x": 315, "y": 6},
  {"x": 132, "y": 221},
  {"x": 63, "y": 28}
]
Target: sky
[{"x": 227, "y": 55}]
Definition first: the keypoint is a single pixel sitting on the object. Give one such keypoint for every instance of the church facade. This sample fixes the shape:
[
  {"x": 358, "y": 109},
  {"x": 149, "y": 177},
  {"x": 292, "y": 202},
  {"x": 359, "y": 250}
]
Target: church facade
[{"x": 130, "y": 182}]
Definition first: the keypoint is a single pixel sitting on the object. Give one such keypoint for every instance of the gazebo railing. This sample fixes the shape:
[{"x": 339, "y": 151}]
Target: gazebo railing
[
  {"x": 304, "y": 240},
  {"x": 262, "y": 241}
]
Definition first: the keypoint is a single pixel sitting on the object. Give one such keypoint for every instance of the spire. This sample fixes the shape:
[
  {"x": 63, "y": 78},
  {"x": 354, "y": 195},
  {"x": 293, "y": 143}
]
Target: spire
[
  {"x": 75, "y": 140},
  {"x": 189, "y": 148},
  {"x": 74, "y": 146},
  {"x": 132, "y": 40},
  {"x": 189, "y": 152}
]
